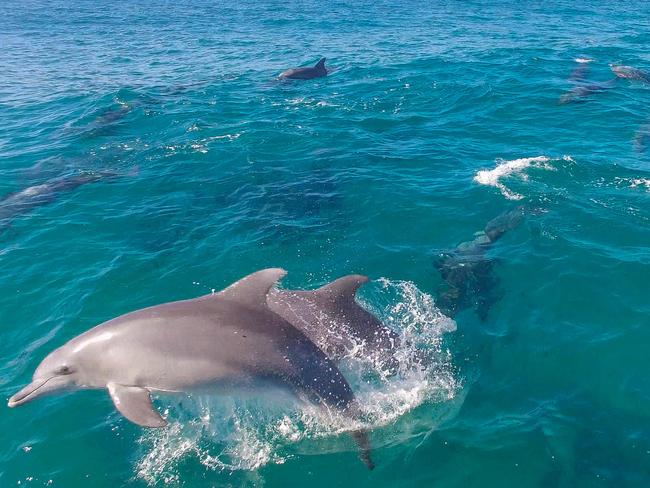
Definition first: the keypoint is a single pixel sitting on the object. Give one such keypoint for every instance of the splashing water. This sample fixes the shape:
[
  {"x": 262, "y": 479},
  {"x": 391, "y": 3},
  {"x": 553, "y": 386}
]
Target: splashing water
[
  {"x": 234, "y": 434},
  {"x": 515, "y": 167}
]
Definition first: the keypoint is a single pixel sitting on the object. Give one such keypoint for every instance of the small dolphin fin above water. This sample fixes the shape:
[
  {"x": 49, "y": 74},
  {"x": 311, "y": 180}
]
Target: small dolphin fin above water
[
  {"x": 306, "y": 73},
  {"x": 342, "y": 290}
]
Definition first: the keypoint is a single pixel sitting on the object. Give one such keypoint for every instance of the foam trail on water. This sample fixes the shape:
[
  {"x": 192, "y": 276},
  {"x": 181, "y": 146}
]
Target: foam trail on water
[
  {"x": 231, "y": 434},
  {"x": 640, "y": 182},
  {"x": 514, "y": 167}
]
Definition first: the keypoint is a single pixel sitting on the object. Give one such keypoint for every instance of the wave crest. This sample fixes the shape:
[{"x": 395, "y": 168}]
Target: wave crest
[{"x": 514, "y": 167}]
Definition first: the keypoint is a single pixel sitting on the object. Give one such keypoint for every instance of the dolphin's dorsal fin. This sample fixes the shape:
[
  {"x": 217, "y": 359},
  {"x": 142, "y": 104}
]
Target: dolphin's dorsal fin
[
  {"x": 320, "y": 64},
  {"x": 135, "y": 404},
  {"x": 342, "y": 289},
  {"x": 253, "y": 288}
]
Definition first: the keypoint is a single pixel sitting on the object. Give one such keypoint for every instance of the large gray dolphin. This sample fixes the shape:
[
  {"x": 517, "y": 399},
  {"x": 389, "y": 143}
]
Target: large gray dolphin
[
  {"x": 306, "y": 73},
  {"x": 335, "y": 322},
  {"x": 21, "y": 202},
  {"x": 229, "y": 340},
  {"x": 467, "y": 271}
]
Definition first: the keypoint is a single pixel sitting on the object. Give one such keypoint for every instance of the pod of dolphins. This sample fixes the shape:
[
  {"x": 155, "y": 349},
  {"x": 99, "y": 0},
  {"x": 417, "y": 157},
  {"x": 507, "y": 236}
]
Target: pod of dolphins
[
  {"x": 254, "y": 335},
  {"x": 583, "y": 88}
]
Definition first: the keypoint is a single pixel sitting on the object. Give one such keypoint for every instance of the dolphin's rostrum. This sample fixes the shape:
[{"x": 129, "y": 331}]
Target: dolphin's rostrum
[{"x": 230, "y": 339}]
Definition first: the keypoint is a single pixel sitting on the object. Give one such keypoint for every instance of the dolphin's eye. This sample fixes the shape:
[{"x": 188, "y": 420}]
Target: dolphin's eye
[{"x": 64, "y": 370}]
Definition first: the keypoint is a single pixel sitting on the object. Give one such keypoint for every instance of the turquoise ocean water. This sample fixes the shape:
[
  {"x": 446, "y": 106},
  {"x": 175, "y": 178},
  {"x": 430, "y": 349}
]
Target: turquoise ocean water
[{"x": 437, "y": 117}]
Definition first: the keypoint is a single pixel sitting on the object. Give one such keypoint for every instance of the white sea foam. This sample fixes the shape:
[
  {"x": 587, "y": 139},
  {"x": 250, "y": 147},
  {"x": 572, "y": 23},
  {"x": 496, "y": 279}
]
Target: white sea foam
[
  {"x": 515, "y": 167},
  {"x": 583, "y": 60},
  {"x": 644, "y": 182},
  {"x": 229, "y": 137},
  {"x": 633, "y": 182},
  {"x": 242, "y": 434}
]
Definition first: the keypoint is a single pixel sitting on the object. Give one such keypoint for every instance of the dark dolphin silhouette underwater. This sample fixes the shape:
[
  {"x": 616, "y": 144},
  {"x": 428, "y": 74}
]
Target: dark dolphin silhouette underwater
[
  {"x": 21, "y": 202},
  {"x": 467, "y": 270},
  {"x": 582, "y": 87}
]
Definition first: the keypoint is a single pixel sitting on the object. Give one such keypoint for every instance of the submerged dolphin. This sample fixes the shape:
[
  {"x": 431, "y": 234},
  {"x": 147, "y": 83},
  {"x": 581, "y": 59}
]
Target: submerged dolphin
[
  {"x": 227, "y": 340},
  {"x": 630, "y": 73},
  {"x": 582, "y": 87},
  {"x": 21, "y": 202},
  {"x": 467, "y": 271},
  {"x": 335, "y": 322},
  {"x": 642, "y": 138},
  {"x": 582, "y": 91},
  {"x": 306, "y": 73}
]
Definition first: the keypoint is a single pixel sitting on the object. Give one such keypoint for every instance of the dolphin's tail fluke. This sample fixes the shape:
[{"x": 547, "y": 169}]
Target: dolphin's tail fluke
[
  {"x": 360, "y": 435},
  {"x": 361, "y": 438},
  {"x": 504, "y": 222}
]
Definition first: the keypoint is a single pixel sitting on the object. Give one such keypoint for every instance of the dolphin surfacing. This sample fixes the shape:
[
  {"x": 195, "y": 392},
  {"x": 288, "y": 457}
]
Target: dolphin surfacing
[
  {"x": 230, "y": 339},
  {"x": 306, "y": 73},
  {"x": 630, "y": 73},
  {"x": 335, "y": 322}
]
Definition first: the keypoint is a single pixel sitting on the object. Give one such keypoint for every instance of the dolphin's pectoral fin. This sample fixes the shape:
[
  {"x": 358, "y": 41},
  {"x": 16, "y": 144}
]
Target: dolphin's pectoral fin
[
  {"x": 252, "y": 289},
  {"x": 135, "y": 404}
]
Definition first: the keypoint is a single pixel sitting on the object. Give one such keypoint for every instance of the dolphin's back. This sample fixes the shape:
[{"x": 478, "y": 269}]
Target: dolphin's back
[
  {"x": 334, "y": 321},
  {"x": 306, "y": 73}
]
